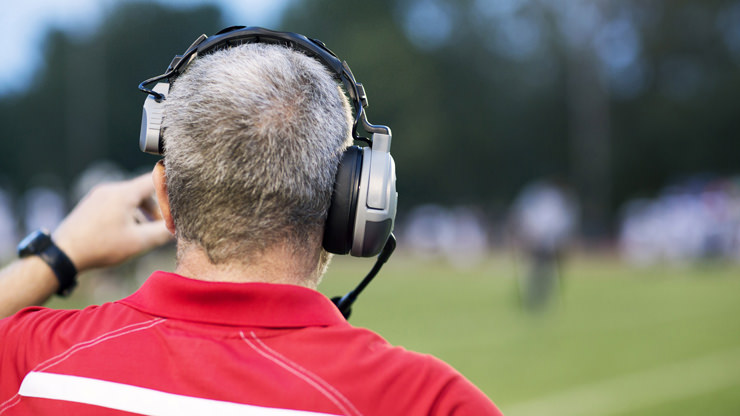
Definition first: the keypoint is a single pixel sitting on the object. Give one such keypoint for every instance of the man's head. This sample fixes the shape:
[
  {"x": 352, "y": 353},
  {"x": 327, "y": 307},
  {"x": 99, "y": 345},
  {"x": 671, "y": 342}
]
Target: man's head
[{"x": 253, "y": 136}]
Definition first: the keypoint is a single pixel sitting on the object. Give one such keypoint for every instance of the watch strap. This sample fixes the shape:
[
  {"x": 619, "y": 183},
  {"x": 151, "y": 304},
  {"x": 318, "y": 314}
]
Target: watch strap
[
  {"x": 63, "y": 268},
  {"x": 40, "y": 243}
]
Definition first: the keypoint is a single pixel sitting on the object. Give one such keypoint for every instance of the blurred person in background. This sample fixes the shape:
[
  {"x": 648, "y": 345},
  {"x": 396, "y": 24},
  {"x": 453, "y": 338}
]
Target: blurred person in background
[
  {"x": 8, "y": 227},
  {"x": 545, "y": 217},
  {"x": 239, "y": 326}
]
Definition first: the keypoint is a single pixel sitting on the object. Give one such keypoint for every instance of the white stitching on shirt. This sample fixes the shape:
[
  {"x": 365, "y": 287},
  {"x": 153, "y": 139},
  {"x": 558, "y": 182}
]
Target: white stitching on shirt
[
  {"x": 61, "y": 357},
  {"x": 317, "y": 382},
  {"x": 16, "y": 398},
  {"x": 307, "y": 373},
  {"x": 87, "y": 344}
]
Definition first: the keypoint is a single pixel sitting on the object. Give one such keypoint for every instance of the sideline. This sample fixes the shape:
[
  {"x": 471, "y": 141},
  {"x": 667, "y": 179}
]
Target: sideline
[{"x": 637, "y": 390}]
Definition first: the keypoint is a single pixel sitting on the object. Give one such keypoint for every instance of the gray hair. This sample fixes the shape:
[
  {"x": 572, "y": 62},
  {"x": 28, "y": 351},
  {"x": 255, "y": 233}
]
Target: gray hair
[{"x": 253, "y": 136}]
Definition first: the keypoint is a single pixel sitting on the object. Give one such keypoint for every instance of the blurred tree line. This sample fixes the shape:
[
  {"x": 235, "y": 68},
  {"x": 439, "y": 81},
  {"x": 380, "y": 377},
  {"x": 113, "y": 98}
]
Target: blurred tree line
[
  {"x": 616, "y": 98},
  {"x": 83, "y": 104}
]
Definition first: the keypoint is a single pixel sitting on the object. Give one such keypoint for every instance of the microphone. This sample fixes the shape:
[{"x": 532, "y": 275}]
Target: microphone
[{"x": 344, "y": 303}]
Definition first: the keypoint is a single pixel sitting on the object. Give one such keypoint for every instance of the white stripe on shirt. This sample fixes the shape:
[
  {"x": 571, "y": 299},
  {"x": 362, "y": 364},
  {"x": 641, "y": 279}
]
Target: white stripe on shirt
[{"x": 137, "y": 399}]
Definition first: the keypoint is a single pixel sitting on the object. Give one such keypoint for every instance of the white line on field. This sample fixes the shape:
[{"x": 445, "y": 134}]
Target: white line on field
[{"x": 637, "y": 390}]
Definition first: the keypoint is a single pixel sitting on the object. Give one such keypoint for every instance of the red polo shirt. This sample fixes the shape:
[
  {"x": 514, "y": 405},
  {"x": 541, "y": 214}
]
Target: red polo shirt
[{"x": 186, "y": 347}]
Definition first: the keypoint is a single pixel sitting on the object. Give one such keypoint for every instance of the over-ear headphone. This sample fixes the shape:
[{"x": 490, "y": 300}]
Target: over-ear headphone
[{"x": 363, "y": 206}]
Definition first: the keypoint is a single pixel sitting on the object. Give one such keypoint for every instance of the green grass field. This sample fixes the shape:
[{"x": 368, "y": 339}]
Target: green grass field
[{"x": 619, "y": 340}]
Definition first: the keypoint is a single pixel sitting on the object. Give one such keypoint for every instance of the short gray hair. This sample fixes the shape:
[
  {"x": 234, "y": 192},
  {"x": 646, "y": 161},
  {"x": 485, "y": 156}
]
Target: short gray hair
[{"x": 253, "y": 136}]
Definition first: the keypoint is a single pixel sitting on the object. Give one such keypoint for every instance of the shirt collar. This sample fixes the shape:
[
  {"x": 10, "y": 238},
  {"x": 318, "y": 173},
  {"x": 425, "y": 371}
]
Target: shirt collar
[{"x": 270, "y": 305}]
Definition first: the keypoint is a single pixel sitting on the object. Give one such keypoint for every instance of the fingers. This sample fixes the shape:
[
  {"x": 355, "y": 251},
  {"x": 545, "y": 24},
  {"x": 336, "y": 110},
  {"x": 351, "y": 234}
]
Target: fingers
[
  {"x": 152, "y": 231},
  {"x": 109, "y": 226},
  {"x": 141, "y": 190}
]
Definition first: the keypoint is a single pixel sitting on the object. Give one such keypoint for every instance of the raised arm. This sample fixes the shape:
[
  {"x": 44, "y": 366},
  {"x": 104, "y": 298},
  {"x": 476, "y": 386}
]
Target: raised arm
[{"x": 113, "y": 223}]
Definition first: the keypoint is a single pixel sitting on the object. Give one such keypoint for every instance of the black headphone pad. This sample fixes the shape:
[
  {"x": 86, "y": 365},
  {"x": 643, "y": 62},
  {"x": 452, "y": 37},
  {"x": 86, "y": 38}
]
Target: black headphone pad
[{"x": 340, "y": 220}]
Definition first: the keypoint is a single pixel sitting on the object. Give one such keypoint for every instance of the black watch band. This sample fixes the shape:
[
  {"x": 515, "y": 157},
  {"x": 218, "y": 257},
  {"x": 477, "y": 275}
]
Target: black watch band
[{"x": 39, "y": 243}]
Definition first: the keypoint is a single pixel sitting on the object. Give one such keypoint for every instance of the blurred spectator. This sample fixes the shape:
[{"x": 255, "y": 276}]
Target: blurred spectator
[
  {"x": 698, "y": 219},
  {"x": 457, "y": 234},
  {"x": 8, "y": 232},
  {"x": 544, "y": 219},
  {"x": 44, "y": 208}
]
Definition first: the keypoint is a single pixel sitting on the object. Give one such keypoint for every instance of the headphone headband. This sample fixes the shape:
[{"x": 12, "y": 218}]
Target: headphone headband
[{"x": 241, "y": 35}]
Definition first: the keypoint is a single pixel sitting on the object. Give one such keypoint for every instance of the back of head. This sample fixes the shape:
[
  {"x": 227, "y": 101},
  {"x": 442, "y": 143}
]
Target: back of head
[{"x": 253, "y": 136}]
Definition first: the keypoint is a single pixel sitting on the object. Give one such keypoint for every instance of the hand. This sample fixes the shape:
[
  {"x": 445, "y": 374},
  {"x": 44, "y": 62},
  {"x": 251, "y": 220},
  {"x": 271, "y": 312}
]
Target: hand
[{"x": 114, "y": 222}]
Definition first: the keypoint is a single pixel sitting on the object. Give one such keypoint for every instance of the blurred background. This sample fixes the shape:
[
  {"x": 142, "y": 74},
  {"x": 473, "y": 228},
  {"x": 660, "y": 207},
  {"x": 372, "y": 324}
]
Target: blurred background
[{"x": 568, "y": 171}]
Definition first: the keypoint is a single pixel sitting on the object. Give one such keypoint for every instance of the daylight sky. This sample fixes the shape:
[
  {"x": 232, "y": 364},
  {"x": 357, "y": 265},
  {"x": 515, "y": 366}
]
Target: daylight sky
[{"x": 23, "y": 25}]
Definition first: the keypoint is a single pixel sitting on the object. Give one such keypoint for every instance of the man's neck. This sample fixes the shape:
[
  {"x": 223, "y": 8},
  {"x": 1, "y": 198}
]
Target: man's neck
[{"x": 272, "y": 266}]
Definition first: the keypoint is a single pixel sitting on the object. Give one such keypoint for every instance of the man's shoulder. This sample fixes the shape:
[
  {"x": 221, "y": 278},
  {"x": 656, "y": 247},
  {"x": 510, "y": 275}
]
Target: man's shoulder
[
  {"x": 35, "y": 337},
  {"x": 379, "y": 368},
  {"x": 366, "y": 347},
  {"x": 68, "y": 325}
]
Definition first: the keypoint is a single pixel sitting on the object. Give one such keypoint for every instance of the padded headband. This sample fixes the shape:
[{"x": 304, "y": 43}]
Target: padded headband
[{"x": 240, "y": 35}]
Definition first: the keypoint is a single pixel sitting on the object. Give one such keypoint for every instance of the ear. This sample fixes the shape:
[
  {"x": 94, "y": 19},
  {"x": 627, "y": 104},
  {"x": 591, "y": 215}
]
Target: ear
[{"x": 160, "y": 188}]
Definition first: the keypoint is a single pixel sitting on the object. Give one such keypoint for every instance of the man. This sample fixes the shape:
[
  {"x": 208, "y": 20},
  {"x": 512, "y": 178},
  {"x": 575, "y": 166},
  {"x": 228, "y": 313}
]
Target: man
[
  {"x": 253, "y": 137},
  {"x": 544, "y": 217}
]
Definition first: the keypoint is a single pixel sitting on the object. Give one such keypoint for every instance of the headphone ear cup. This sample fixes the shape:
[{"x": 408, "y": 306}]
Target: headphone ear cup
[
  {"x": 376, "y": 203},
  {"x": 150, "y": 136},
  {"x": 340, "y": 220}
]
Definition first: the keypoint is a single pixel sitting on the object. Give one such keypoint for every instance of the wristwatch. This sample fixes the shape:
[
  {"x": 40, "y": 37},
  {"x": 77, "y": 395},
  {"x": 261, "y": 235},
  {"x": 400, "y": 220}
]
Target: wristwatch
[{"x": 39, "y": 243}]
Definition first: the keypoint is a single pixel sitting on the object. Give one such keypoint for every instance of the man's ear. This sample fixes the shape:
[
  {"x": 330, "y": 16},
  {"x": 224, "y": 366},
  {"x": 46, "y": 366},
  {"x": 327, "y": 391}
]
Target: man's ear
[{"x": 160, "y": 188}]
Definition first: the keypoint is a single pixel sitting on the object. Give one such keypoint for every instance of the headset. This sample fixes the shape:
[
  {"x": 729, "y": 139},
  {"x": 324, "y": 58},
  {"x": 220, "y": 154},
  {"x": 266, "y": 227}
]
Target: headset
[{"x": 363, "y": 205}]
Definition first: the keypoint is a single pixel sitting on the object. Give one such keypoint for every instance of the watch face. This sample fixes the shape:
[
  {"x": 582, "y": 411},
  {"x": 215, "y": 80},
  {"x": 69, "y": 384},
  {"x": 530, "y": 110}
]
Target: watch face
[{"x": 34, "y": 243}]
